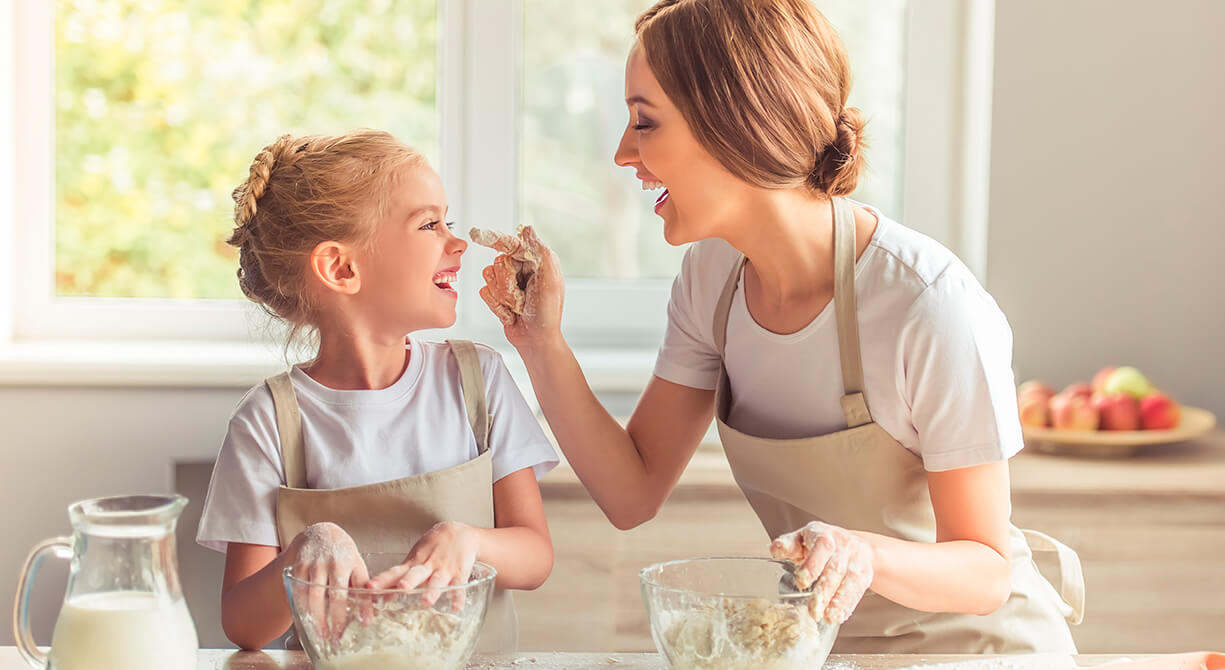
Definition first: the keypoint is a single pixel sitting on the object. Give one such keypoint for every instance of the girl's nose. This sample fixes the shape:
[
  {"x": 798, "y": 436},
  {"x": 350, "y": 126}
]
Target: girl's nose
[
  {"x": 627, "y": 149},
  {"x": 457, "y": 245}
]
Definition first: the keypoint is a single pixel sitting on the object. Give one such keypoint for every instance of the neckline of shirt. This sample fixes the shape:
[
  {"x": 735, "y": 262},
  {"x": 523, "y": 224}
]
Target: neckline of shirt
[
  {"x": 303, "y": 382},
  {"x": 741, "y": 307}
]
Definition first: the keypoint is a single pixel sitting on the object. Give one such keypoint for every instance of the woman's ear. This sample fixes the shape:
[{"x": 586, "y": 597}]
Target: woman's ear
[{"x": 334, "y": 265}]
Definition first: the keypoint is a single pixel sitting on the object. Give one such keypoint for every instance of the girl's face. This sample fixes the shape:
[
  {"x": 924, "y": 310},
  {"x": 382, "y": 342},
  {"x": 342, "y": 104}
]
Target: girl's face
[
  {"x": 697, "y": 191},
  {"x": 411, "y": 268}
]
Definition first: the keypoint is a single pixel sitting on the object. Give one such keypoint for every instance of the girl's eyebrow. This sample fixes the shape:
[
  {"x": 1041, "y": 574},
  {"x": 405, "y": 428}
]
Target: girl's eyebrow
[
  {"x": 638, "y": 98},
  {"x": 428, "y": 209}
]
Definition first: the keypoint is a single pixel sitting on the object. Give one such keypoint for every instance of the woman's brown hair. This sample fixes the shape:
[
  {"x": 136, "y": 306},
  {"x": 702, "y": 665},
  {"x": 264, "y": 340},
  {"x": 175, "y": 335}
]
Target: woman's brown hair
[
  {"x": 299, "y": 192},
  {"x": 763, "y": 85}
]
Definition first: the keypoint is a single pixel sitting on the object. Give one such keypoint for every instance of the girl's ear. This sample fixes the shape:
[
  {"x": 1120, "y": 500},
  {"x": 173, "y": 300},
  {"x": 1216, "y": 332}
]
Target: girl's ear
[{"x": 333, "y": 264}]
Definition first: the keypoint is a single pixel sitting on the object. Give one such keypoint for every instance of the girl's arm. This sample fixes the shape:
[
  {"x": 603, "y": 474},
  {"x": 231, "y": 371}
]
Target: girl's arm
[
  {"x": 254, "y": 610},
  {"x": 628, "y": 471}
]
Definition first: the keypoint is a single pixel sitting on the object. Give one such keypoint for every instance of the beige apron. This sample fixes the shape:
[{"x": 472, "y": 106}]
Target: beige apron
[
  {"x": 862, "y": 479},
  {"x": 391, "y": 516}
]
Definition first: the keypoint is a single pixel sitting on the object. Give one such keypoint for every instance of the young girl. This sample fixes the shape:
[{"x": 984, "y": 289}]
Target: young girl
[{"x": 378, "y": 444}]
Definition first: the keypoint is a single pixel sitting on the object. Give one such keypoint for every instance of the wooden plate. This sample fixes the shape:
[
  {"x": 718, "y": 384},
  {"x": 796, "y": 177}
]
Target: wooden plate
[{"x": 1110, "y": 443}]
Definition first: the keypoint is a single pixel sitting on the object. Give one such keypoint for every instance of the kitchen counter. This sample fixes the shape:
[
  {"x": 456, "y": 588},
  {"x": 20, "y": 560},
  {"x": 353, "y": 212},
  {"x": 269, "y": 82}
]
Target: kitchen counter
[{"x": 224, "y": 659}]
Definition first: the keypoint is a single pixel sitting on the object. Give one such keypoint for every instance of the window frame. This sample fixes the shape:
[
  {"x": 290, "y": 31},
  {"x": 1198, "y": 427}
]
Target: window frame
[{"x": 478, "y": 95}]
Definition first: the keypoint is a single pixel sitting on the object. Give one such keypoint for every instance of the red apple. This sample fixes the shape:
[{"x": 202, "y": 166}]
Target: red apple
[
  {"x": 1035, "y": 387},
  {"x": 1158, "y": 412},
  {"x": 1118, "y": 410},
  {"x": 1099, "y": 379},
  {"x": 1034, "y": 409},
  {"x": 1079, "y": 388},
  {"x": 1071, "y": 411}
]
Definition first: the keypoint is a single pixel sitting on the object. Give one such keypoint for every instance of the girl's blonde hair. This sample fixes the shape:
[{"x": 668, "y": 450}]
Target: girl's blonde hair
[
  {"x": 301, "y": 191},
  {"x": 763, "y": 85}
]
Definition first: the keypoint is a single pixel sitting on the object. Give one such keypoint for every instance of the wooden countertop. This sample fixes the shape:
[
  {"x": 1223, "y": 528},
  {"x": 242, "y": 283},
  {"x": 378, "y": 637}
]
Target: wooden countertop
[
  {"x": 1192, "y": 468},
  {"x": 224, "y": 659}
]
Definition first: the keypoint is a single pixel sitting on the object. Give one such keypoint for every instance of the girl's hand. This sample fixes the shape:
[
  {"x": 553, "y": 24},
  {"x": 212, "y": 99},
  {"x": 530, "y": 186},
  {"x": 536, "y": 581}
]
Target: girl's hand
[
  {"x": 442, "y": 557},
  {"x": 534, "y": 317},
  {"x": 840, "y": 562},
  {"x": 324, "y": 553}
]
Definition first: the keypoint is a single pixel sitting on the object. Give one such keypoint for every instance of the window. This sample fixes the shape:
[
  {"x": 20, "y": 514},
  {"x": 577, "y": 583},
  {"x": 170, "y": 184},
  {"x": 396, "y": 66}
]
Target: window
[{"x": 137, "y": 118}]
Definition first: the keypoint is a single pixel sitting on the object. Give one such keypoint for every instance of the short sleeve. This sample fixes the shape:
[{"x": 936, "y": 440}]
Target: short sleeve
[
  {"x": 956, "y": 351},
  {"x": 516, "y": 439},
  {"x": 688, "y": 355},
  {"x": 241, "y": 501}
]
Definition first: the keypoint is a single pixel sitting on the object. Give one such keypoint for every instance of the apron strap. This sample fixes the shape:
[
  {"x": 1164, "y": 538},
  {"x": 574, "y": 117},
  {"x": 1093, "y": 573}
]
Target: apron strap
[
  {"x": 854, "y": 404},
  {"x": 724, "y": 306},
  {"x": 473, "y": 383},
  {"x": 1071, "y": 577},
  {"x": 289, "y": 426}
]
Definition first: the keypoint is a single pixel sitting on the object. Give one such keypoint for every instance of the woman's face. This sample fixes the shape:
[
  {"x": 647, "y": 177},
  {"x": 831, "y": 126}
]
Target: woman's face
[{"x": 697, "y": 196}]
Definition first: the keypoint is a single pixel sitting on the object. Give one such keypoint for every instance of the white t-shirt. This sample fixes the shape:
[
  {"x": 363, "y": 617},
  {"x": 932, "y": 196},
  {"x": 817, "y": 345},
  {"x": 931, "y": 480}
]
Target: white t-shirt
[
  {"x": 937, "y": 353},
  {"x": 357, "y": 437}
]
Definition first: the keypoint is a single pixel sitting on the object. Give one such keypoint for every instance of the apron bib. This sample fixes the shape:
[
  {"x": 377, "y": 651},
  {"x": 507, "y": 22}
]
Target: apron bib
[
  {"x": 389, "y": 517},
  {"x": 861, "y": 478}
]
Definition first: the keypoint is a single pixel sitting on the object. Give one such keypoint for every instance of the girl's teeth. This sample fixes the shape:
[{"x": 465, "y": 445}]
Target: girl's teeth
[{"x": 652, "y": 185}]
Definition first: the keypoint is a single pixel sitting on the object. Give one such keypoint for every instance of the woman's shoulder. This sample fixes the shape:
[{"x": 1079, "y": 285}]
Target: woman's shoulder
[{"x": 909, "y": 257}]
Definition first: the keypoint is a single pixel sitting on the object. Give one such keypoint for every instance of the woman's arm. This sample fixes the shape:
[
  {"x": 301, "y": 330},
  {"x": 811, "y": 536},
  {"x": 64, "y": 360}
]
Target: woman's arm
[
  {"x": 968, "y": 569},
  {"x": 628, "y": 471}
]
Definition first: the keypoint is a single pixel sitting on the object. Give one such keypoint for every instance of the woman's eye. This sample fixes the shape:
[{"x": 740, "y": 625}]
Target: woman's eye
[{"x": 642, "y": 126}]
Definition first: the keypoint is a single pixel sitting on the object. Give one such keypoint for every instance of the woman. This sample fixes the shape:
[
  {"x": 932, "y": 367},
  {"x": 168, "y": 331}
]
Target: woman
[{"x": 859, "y": 374}]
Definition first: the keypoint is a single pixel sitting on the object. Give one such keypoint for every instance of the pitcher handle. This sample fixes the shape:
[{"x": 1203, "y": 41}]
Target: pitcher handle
[{"x": 62, "y": 548}]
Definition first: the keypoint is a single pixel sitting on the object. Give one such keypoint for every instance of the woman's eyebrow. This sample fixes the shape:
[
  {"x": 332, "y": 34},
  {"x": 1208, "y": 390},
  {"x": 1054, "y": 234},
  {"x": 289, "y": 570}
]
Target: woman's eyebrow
[{"x": 638, "y": 98}]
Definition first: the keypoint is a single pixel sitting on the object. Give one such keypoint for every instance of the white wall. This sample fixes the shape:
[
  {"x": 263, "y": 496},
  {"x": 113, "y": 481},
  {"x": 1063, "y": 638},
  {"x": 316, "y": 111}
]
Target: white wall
[
  {"x": 1107, "y": 210},
  {"x": 1108, "y": 187}
]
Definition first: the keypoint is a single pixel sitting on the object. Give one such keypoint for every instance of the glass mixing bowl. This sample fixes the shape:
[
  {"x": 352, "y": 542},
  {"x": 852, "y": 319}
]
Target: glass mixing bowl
[
  {"x": 389, "y": 629},
  {"x": 733, "y": 613}
]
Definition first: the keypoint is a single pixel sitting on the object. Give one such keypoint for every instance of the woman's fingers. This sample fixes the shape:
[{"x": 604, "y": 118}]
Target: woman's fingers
[
  {"x": 499, "y": 310},
  {"x": 788, "y": 547},
  {"x": 830, "y": 578},
  {"x": 498, "y": 241},
  {"x": 819, "y": 547},
  {"x": 854, "y": 585}
]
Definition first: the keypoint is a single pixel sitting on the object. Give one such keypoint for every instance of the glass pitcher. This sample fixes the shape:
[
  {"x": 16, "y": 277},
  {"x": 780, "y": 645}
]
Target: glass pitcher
[{"x": 124, "y": 606}]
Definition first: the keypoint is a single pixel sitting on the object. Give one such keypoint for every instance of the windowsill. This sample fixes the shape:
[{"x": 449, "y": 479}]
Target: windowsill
[{"x": 221, "y": 364}]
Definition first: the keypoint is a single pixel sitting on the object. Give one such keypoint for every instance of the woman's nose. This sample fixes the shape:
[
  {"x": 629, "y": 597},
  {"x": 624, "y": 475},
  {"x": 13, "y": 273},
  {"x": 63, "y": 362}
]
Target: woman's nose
[{"x": 627, "y": 149}]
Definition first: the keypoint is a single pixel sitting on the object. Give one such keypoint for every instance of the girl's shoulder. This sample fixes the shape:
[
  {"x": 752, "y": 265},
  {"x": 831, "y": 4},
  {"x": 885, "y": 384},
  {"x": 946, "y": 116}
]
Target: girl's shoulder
[{"x": 438, "y": 356}]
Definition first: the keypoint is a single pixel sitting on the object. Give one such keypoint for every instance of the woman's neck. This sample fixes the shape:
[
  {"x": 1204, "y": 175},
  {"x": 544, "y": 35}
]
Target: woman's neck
[
  {"x": 788, "y": 239},
  {"x": 350, "y": 360}
]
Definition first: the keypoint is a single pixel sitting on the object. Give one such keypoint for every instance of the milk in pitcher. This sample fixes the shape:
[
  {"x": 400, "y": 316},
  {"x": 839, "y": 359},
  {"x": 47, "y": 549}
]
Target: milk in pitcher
[{"x": 123, "y": 630}]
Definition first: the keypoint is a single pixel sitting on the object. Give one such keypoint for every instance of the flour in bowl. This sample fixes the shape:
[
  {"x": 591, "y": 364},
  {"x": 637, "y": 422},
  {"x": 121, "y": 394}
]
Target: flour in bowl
[
  {"x": 752, "y": 634},
  {"x": 400, "y": 638}
]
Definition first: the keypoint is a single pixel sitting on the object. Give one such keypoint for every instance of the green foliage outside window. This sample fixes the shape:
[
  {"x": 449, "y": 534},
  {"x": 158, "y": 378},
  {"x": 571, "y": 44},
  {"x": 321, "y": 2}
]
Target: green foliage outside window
[{"x": 161, "y": 106}]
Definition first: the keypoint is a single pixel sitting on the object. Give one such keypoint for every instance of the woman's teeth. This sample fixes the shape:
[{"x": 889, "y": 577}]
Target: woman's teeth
[{"x": 651, "y": 185}]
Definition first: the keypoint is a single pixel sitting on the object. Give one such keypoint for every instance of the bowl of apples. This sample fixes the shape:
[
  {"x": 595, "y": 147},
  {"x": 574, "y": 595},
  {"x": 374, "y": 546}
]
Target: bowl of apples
[{"x": 1118, "y": 413}]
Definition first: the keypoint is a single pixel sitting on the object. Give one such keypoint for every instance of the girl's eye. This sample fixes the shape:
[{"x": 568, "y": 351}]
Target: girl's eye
[{"x": 450, "y": 225}]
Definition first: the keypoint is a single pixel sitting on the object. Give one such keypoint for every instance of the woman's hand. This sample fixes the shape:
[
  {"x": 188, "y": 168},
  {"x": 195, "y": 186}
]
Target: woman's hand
[
  {"x": 442, "y": 557},
  {"x": 324, "y": 553},
  {"x": 840, "y": 562},
  {"x": 535, "y": 317}
]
